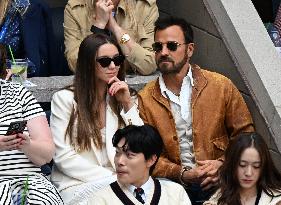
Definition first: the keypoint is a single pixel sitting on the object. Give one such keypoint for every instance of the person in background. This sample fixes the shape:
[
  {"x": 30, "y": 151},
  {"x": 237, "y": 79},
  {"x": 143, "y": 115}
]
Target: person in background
[
  {"x": 85, "y": 116},
  {"x": 248, "y": 175},
  {"x": 3, "y": 65},
  {"x": 137, "y": 151},
  {"x": 197, "y": 112},
  {"x": 22, "y": 153},
  {"x": 26, "y": 26},
  {"x": 130, "y": 21}
]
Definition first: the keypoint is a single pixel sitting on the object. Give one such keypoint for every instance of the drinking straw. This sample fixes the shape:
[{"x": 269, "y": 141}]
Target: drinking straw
[
  {"x": 25, "y": 191},
  {"x": 12, "y": 55}
]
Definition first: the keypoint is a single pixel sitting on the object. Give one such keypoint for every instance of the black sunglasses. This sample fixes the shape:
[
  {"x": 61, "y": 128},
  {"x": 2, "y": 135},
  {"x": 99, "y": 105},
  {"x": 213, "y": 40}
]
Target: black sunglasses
[
  {"x": 171, "y": 45},
  {"x": 105, "y": 61}
]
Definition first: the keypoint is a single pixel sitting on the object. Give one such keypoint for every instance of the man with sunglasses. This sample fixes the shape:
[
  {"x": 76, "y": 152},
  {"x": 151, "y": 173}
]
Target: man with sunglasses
[{"x": 197, "y": 112}]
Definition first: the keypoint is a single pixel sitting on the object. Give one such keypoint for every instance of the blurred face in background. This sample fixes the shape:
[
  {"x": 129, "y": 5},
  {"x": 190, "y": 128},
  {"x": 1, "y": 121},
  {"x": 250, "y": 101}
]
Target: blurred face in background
[{"x": 249, "y": 169}]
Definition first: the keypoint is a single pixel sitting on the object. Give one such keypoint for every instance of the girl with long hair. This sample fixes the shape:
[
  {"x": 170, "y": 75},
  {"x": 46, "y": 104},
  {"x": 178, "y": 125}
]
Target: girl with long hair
[
  {"x": 86, "y": 115},
  {"x": 248, "y": 175}
]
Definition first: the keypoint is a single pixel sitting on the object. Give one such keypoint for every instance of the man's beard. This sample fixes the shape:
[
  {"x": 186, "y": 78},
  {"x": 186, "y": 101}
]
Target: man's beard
[{"x": 175, "y": 68}]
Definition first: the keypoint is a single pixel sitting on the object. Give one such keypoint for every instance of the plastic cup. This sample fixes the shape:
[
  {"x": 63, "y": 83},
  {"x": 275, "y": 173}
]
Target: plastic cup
[{"x": 19, "y": 70}]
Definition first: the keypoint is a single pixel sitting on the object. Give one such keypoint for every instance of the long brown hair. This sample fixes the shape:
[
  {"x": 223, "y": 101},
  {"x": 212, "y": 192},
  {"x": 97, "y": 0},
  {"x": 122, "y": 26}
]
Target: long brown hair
[
  {"x": 270, "y": 178},
  {"x": 3, "y": 57},
  {"x": 86, "y": 113}
]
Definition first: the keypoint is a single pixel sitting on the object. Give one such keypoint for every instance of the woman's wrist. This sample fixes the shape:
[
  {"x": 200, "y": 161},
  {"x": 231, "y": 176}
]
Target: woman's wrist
[{"x": 127, "y": 105}]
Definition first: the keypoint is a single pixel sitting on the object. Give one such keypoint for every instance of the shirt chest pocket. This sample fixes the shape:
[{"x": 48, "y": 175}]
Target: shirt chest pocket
[{"x": 220, "y": 145}]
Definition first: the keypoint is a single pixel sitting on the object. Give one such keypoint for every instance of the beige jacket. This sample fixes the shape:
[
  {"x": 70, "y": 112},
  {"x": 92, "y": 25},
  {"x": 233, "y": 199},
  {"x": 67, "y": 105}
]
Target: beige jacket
[{"x": 78, "y": 22}]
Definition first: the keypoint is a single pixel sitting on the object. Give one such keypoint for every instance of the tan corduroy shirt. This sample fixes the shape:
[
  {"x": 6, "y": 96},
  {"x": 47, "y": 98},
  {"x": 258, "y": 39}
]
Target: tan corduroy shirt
[{"x": 78, "y": 22}]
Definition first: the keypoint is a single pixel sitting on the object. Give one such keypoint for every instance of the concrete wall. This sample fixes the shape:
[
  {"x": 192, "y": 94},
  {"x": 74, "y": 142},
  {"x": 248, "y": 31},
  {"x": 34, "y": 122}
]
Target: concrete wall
[{"x": 230, "y": 39}]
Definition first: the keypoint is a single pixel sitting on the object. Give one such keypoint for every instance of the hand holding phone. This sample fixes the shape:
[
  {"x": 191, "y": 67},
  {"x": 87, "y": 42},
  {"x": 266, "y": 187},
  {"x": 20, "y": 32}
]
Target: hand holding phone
[{"x": 16, "y": 127}]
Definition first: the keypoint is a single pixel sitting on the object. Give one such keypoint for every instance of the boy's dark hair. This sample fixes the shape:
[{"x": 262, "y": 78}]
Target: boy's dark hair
[
  {"x": 163, "y": 23},
  {"x": 140, "y": 139}
]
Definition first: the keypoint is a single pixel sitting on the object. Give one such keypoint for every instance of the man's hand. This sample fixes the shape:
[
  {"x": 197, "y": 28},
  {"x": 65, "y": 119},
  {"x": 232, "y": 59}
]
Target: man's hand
[
  {"x": 211, "y": 169},
  {"x": 196, "y": 174}
]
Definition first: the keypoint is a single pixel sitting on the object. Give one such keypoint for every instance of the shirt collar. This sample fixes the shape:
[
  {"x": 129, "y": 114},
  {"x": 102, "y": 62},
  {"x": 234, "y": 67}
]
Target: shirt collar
[
  {"x": 162, "y": 84},
  {"x": 146, "y": 186}
]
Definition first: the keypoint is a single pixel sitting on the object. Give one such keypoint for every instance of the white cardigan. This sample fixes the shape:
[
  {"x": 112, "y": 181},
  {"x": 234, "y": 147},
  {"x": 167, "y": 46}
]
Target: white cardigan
[
  {"x": 264, "y": 200},
  {"x": 171, "y": 193},
  {"x": 71, "y": 168}
]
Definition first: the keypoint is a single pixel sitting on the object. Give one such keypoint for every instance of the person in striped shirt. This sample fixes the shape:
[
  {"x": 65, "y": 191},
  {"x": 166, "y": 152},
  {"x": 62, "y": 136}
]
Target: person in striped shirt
[{"x": 22, "y": 154}]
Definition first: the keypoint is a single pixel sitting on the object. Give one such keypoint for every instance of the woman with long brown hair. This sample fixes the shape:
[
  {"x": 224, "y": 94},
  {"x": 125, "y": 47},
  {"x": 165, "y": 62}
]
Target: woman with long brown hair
[
  {"x": 86, "y": 115},
  {"x": 248, "y": 175}
]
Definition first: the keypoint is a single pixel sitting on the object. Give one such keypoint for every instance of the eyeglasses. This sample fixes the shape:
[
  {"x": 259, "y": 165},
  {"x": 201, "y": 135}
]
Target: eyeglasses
[
  {"x": 105, "y": 61},
  {"x": 171, "y": 45}
]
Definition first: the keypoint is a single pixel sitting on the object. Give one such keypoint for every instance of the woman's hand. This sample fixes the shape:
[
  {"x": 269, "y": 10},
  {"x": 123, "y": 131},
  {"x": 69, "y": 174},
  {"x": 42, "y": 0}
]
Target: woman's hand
[
  {"x": 8, "y": 74},
  {"x": 9, "y": 142},
  {"x": 24, "y": 140},
  {"x": 112, "y": 24},
  {"x": 103, "y": 12},
  {"x": 120, "y": 90}
]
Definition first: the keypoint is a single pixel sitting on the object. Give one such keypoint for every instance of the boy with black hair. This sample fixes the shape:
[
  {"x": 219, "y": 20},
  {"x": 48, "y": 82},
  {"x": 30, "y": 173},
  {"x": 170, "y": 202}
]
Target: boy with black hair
[{"x": 137, "y": 151}]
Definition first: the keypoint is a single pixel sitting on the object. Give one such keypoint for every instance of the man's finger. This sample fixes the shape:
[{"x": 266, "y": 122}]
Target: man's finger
[
  {"x": 213, "y": 172},
  {"x": 206, "y": 181},
  {"x": 202, "y": 162},
  {"x": 205, "y": 188}
]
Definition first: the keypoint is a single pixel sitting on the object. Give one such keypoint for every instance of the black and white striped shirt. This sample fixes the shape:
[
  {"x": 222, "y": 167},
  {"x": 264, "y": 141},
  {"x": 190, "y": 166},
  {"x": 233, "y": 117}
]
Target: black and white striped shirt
[{"x": 16, "y": 104}]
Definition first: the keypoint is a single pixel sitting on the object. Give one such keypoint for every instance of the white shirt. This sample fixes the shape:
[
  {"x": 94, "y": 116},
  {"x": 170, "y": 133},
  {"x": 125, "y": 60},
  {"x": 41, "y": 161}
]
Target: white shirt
[
  {"x": 185, "y": 93},
  {"x": 181, "y": 110},
  {"x": 147, "y": 186}
]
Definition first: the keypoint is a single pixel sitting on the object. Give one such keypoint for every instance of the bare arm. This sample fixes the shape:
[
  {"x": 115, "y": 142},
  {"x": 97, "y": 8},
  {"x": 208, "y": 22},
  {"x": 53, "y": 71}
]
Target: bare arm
[{"x": 39, "y": 146}]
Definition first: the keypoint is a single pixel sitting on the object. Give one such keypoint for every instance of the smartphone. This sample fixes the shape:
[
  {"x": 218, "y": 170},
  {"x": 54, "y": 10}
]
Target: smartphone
[{"x": 16, "y": 127}]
